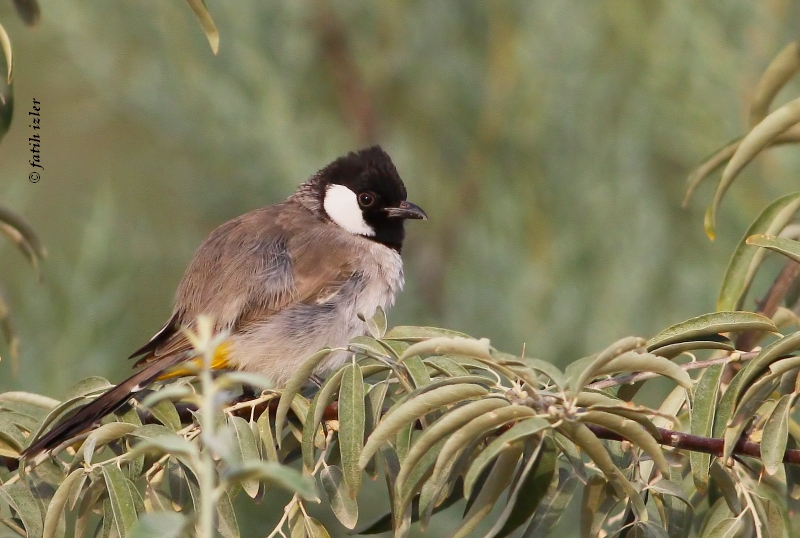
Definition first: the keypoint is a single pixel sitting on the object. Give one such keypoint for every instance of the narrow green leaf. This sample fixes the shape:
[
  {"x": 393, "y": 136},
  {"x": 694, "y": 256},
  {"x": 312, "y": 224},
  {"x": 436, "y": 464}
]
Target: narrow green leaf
[
  {"x": 370, "y": 347},
  {"x": 552, "y": 507},
  {"x": 448, "y": 366},
  {"x": 710, "y": 325},
  {"x": 705, "y": 342},
  {"x": 313, "y": 434},
  {"x": 11, "y": 434},
  {"x": 450, "y": 422},
  {"x": 497, "y": 481},
  {"x": 418, "y": 334},
  {"x": 765, "y": 358},
  {"x": 751, "y": 145},
  {"x": 414, "y": 408},
  {"x": 746, "y": 260},
  {"x": 376, "y": 325},
  {"x": 782, "y": 68},
  {"x": 258, "y": 381},
  {"x": 267, "y": 438},
  {"x": 274, "y": 474},
  {"x": 376, "y": 396},
  {"x": 22, "y": 501},
  {"x": 551, "y": 371},
  {"x": 326, "y": 395},
  {"x": 632, "y": 431},
  {"x": 532, "y": 487},
  {"x": 521, "y": 431},
  {"x": 745, "y": 413},
  {"x": 5, "y": 44},
  {"x": 170, "y": 444},
  {"x": 227, "y": 525},
  {"x": 102, "y": 436},
  {"x": 775, "y": 515},
  {"x": 727, "y": 528},
  {"x": 646, "y": 362},
  {"x": 352, "y": 417},
  {"x": 442, "y": 345},
  {"x": 204, "y": 17},
  {"x": 726, "y": 406},
  {"x": 701, "y": 421},
  {"x": 475, "y": 429},
  {"x": 301, "y": 375},
  {"x": 344, "y": 507},
  {"x": 165, "y": 412},
  {"x": 122, "y": 503},
  {"x": 613, "y": 351},
  {"x": 724, "y": 480},
  {"x": 585, "y": 439},
  {"x": 417, "y": 371},
  {"x": 315, "y": 529},
  {"x": 776, "y": 432},
  {"x": 29, "y": 398},
  {"x": 170, "y": 392},
  {"x": 782, "y": 245},
  {"x": 596, "y": 506},
  {"x": 248, "y": 451}
]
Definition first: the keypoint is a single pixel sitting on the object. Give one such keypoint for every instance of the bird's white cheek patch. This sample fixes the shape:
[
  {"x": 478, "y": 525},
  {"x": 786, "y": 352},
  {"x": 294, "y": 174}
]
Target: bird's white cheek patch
[{"x": 342, "y": 207}]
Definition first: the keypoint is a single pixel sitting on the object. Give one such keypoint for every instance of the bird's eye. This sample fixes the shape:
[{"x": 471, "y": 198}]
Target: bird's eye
[{"x": 366, "y": 199}]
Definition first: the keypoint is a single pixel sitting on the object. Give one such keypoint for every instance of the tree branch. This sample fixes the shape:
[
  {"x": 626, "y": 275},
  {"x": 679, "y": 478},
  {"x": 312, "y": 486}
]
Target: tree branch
[{"x": 696, "y": 443}]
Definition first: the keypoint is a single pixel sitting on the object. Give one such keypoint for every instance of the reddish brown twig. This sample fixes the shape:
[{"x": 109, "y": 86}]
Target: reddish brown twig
[{"x": 696, "y": 443}]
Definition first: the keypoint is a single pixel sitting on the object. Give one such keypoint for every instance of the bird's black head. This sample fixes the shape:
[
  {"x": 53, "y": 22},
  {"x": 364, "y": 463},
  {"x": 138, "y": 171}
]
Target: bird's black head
[{"x": 363, "y": 193}]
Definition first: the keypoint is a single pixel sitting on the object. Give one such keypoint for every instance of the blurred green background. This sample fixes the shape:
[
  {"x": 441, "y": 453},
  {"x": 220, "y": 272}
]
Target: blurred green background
[{"x": 548, "y": 142}]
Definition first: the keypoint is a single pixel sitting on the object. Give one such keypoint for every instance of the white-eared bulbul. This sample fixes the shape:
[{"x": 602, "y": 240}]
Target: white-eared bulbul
[{"x": 284, "y": 281}]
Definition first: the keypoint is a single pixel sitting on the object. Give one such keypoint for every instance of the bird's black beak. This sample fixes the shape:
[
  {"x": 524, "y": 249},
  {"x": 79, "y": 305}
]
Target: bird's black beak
[{"x": 406, "y": 210}]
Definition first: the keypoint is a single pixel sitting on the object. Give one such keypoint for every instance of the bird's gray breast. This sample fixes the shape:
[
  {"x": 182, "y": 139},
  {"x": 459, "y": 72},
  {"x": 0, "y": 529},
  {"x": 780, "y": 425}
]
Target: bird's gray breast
[{"x": 282, "y": 341}]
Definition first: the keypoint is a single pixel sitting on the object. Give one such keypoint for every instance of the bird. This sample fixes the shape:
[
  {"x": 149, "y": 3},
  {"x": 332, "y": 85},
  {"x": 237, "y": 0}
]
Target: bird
[{"x": 284, "y": 281}]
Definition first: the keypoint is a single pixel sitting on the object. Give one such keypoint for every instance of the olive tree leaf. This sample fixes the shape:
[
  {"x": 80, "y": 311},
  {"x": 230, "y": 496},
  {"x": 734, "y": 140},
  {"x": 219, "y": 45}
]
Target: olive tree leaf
[
  {"x": 498, "y": 480},
  {"x": 17, "y": 229},
  {"x": 414, "y": 408},
  {"x": 787, "y": 247},
  {"x": 746, "y": 260},
  {"x": 352, "y": 417},
  {"x": 449, "y": 423},
  {"x": 301, "y": 375},
  {"x": 343, "y": 505},
  {"x": 204, "y": 17},
  {"x": 55, "y": 510},
  {"x": 20, "y": 498},
  {"x": 534, "y": 482},
  {"x": 272, "y": 473},
  {"x": 122, "y": 503},
  {"x": 776, "y": 431},
  {"x": 782, "y": 68},
  {"x": 443, "y": 345},
  {"x": 701, "y": 421},
  {"x": 520, "y": 431},
  {"x": 248, "y": 451},
  {"x": 709, "y": 325},
  {"x": 613, "y": 351},
  {"x": 761, "y": 136}
]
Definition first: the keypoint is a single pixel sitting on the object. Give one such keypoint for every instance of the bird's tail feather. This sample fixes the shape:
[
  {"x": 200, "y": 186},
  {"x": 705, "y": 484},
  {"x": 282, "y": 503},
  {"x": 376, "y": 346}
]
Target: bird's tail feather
[{"x": 106, "y": 403}]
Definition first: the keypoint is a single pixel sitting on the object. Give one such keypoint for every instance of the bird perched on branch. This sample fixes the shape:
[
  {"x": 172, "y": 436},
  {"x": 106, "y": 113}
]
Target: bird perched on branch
[{"x": 284, "y": 281}]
